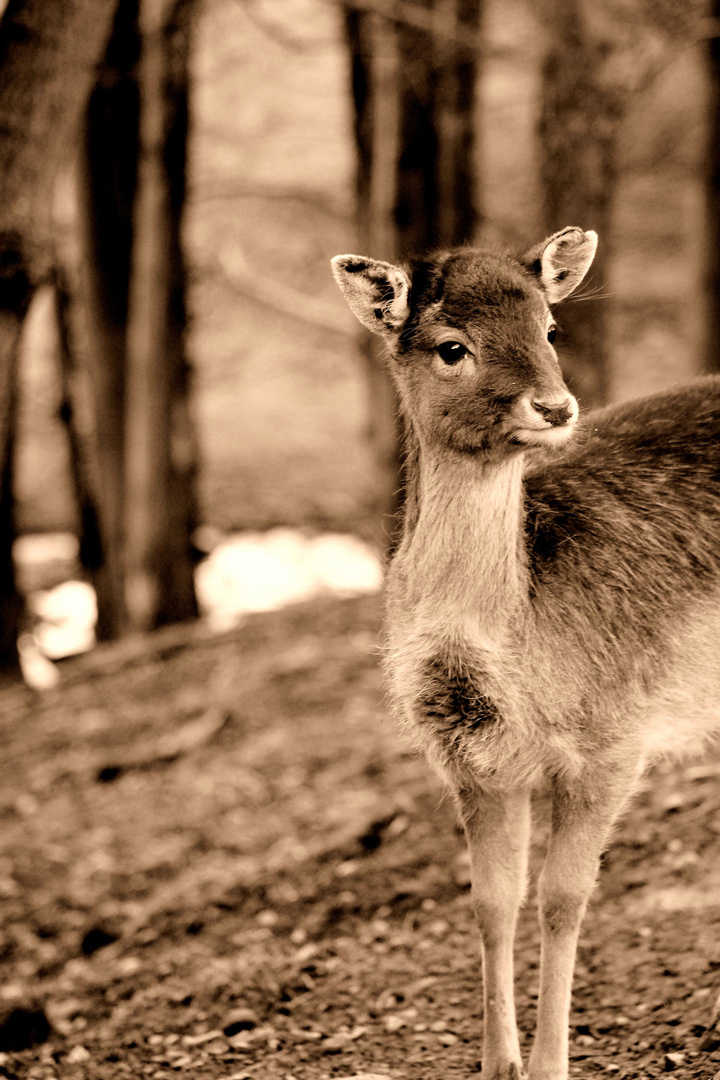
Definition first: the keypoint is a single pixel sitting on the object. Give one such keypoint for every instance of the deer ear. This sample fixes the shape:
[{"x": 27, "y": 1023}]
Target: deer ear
[
  {"x": 561, "y": 262},
  {"x": 377, "y": 292}
]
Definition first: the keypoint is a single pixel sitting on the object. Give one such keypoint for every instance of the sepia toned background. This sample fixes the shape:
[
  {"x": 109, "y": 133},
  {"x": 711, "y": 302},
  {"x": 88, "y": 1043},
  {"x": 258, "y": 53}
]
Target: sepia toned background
[{"x": 216, "y": 858}]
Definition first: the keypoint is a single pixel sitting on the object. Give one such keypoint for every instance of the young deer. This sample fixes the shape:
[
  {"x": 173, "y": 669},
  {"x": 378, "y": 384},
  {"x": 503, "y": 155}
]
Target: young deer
[{"x": 553, "y": 608}]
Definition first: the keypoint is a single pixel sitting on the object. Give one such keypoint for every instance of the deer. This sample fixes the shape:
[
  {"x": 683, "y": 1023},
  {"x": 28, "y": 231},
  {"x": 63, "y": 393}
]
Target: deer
[{"x": 552, "y": 606}]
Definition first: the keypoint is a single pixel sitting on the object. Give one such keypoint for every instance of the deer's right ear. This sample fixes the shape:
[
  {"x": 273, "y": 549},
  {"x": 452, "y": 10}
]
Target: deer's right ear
[{"x": 377, "y": 292}]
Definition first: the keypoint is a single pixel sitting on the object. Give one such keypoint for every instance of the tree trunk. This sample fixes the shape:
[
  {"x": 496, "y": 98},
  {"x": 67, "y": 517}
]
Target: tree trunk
[
  {"x": 80, "y": 454},
  {"x": 48, "y": 49},
  {"x": 11, "y": 604},
  {"x": 578, "y": 140},
  {"x": 711, "y": 352},
  {"x": 110, "y": 160},
  {"x": 414, "y": 98},
  {"x": 161, "y": 456}
]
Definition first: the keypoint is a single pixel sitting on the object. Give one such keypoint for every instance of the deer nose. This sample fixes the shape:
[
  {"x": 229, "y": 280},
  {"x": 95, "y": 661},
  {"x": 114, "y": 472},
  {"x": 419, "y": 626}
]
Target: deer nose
[{"x": 556, "y": 413}]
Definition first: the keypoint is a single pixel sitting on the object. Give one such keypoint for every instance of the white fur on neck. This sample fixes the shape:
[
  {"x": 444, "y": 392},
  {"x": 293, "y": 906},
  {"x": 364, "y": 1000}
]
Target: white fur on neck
[{"x": 463, "y": 572}]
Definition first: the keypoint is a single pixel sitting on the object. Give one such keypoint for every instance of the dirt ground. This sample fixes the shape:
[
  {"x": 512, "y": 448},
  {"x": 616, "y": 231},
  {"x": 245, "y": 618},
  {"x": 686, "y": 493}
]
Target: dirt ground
[{"x": 217, "y": 860}]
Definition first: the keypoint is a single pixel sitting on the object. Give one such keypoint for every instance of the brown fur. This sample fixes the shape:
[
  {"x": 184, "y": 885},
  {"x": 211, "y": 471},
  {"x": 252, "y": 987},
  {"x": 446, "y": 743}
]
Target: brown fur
[{"x": 553, "y": 606}]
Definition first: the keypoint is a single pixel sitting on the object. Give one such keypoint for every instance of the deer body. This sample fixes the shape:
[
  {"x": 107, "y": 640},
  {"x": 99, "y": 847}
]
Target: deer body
[
  {"x": 539, "y": 618},
  {"x": 553, "y": 606}
]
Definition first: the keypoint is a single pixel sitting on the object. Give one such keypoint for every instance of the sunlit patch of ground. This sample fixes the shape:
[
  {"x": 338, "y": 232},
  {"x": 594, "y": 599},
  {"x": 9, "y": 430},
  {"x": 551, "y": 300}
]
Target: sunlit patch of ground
[{"x": 243, "y": 573}]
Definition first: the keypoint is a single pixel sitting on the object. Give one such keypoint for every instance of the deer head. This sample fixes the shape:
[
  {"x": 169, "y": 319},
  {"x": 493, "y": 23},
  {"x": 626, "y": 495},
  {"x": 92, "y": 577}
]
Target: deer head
[{"x": 470, "y": 336}]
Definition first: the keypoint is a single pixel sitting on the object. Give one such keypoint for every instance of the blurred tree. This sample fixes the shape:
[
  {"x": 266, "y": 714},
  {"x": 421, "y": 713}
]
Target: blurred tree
[
  {"x": 711, "y": 356},
  {"x": 414, "y": 72},
  {"x": 599, "y": 55},
  {"x": 160, "y": 450},
  {"x": 48, "y": 49},
  {"x": 579, "y": 125},
  {"x": 135, "y": 160},
  {"x": 109, "y": 176}
]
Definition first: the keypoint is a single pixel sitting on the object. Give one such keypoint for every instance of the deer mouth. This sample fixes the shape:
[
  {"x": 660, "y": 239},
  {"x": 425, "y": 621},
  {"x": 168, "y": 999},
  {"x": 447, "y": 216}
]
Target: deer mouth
[
  {"x": 543, "y": 423},
  {"x": 545, "y": 436}
]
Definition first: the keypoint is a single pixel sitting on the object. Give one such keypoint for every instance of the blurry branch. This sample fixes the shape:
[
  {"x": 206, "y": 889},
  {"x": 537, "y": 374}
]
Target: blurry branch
[
  {"x": 169, "y": 748},
  {"x": 277, "y": 33},
  {"x": 110, "y": 658},
  {"x": 709, "y": 29},
  {"x": 282, "y": 298},
  {"x": 431, "y": 20},
  {"x": 399, "y": 13},
  {"x": 238, "y": 189}
]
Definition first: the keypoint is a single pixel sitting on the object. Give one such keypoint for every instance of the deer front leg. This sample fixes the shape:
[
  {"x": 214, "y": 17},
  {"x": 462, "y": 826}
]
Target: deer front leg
[
  {"x": 497, "y": 828},
  {"x": 582, "y": 816}
]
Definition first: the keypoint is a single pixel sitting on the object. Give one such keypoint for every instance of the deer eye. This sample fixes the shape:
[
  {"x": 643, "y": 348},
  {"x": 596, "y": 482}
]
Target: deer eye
[
  {"x": 552, "y": 331},
  {"x": 451, "y": 351}
]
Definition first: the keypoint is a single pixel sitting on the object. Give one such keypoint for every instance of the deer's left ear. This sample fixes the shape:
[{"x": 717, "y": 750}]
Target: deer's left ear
[
  {"x": 561, "y": 262},
  {"x": 377, "y": 292}
]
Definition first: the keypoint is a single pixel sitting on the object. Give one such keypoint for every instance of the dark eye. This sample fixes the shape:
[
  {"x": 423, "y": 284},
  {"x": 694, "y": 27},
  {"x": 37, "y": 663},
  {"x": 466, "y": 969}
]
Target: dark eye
[
  {"x": 552, "y": 331},
  {"x": 451, "y": 351}
]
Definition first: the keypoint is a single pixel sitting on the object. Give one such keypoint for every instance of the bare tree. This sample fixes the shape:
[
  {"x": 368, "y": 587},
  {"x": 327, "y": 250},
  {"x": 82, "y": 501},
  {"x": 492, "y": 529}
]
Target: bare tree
[
  {"x": 578, "y": 134},
  {"x": 109, "y": 177},
  {"x": 134, "y": 192},
  {"x": 711, "y": 356},
  {"x": 599, "y": 56},
  {"x": 413, "y": 83},
  {"x": 160, "y": 449},
  {"x": 48, "y": 51}
]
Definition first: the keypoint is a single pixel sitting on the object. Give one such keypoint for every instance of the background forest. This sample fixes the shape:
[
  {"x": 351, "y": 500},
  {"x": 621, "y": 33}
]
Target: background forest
[
  {"x": 217, "y": 860},
  {"x": 313, "y": 130}
]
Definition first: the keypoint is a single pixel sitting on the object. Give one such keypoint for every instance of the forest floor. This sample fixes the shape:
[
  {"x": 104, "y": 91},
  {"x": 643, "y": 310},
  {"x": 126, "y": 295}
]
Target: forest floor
[{"x": 218, "y": 860}]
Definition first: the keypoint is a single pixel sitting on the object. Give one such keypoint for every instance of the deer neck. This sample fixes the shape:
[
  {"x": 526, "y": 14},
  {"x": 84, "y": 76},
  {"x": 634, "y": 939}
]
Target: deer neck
[{"x": 463, "y": 567}]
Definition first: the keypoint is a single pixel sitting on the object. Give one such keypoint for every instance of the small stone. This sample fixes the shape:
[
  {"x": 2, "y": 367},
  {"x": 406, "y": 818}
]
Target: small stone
[
  {"x": 21, "y": 1028},
  {"x": 77, "y": 1055},
  {"x": 672, "y": 1061},
  {"x": 198, "y": 1040},
  {"x": 129, "y": 965},
  {"x": 438, "y": 1025},
  {"x": 585, "y": 1040},
  {"x": 267, "y": 918},
  {"x": 239, "y": 1020},
  {"x": 307, "y": 1036},
  {"x": 97, "y": 937},
  {"x": 446, "y": 1038},
  {"x": 335, "y": 1044},
  {"x": 394, "y": 1023},
  {"x": 306, "y": 953}
]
